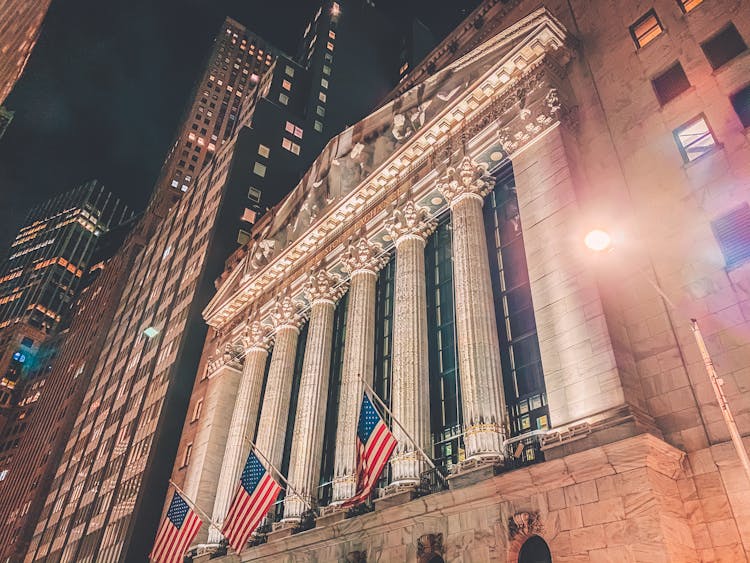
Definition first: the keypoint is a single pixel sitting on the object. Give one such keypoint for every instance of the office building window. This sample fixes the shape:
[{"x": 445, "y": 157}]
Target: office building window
[
  {"x": 289, "y": 71},
  {"x": 724, "y": 46},
  {"x": 286, "y": 85},
  {"x": 326, "y": 70},
  {"x": 283, "y": 99},
  {"x": 264, "y": 151},
  {"x": 741, "y": 103},
  {"x": 322, "y": 96},
  {"x": 186, "y": 454},
  {"x": 670, "y": 83},
  {"x": 329, "y": 46},
  {"x": 197, "y": 410},
  {"x": 321, "y": 111},
  {"x": 695, "y": 138},
  {"x": 646, "y": 29},
  {"x": 243, "y": 237},
  {"x": 253, "y": 194},
  {"x": 260, "y": 169},
  {"x": 318, "y": 126},
  {"x": 732, "y": 232},
  {"x": 323, "y": 83}
]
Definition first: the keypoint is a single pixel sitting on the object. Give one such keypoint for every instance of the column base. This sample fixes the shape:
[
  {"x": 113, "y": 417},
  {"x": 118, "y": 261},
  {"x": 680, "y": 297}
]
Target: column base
[
  {"x": 396, "y": 494},
  {"x": 605, "y": 428}
]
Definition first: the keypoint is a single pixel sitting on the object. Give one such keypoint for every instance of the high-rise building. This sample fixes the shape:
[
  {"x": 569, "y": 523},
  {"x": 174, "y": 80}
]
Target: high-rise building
[
  {"x": 42, "y": 273},
  {"x": 105, "y": 501},
  {"x": 564, "y": 397},
  {"x": 20, "y": 23},
  {"x": 42, "y": 419},
  {"x": 6, "y": 116}
]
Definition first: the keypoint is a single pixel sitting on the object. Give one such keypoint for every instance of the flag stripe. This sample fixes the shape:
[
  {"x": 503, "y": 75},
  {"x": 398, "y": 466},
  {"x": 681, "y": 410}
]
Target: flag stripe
[
  {"x": 239, "y": 525},
  {"x": 176, "y": 533}
]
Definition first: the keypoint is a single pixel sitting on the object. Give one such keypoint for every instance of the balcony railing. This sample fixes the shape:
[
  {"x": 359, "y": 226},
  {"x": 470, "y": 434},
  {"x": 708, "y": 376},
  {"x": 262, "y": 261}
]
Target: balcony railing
[{"x": 523, "y": 450}]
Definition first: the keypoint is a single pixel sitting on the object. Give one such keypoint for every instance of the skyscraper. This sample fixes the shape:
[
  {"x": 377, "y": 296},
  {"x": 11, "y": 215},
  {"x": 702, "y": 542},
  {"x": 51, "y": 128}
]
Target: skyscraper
[
  {"x": 43, "y": 271},
  {"x": 20, "y": 23}
]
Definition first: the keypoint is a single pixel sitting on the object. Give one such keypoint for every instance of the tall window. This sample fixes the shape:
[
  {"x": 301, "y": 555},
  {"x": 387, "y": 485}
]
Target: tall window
[
  {"x": 519, "y": 346},
  {"x": 384, "y": 331},
  {"x": 445, "y": 389},
  {"x": 332, "y": 406}
]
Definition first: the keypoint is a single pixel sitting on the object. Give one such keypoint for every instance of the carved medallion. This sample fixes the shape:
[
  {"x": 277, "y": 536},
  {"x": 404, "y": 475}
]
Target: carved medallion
[{"x": 523, "y": 524}]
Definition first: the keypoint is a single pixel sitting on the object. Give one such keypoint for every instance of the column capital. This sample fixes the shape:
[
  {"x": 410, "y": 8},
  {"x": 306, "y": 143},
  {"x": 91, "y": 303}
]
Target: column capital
[
  {"x": 229, "y": 355},
  {"x": 287, "y": 313},
  {"x": 469, "y": 179},
  {"x": 364, "y": 256},
  {"x": 324, "y": 287},
  {"x": 410, "y": 220},
  {"x": 257, "y": 336}
]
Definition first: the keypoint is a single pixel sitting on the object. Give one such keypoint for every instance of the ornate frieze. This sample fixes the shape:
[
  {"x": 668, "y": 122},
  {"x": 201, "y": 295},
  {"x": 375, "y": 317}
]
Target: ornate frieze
[
  {"x": 287, "y": 313},
  {"x": 410, "y": 220},
  {"x": 362, "y": 255},
  {"x": 323, "y": 286},
  {"x": 468, "y": 179}
]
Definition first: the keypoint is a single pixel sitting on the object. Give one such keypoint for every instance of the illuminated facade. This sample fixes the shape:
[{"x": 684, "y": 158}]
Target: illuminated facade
[
  {"x": 435, "y": 249},
  {"x": 20, "y": 23},
  {"x": 43, "y": 271}
]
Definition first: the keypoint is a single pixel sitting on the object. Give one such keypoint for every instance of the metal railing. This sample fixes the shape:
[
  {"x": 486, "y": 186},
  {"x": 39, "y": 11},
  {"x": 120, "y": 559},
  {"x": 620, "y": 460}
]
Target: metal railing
[{"x": 523, "y": 450}]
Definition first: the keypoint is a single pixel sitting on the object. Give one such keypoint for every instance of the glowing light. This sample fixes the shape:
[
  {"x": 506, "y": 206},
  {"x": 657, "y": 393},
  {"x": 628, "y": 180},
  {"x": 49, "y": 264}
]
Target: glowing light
[
  {"x": 598, "y": 240},
  {"x": 150, "y": 332}
]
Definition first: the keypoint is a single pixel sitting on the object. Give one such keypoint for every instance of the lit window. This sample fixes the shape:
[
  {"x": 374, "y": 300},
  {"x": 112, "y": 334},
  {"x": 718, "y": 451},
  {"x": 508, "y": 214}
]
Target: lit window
[
  {"x": 286, "y": 85},
  {"x": 243, "y": 237},
  {"x": 321, "y": 111},
  {"x": 184, "y": 188},
  {"x": 286, "y": 143},
  {"x": 732, "y": 232},
  {"x": 197, "y": 410},
  {"x": 695, "y": 138},
  {"x": 329, "y": 46},
  {"x": 318, "y": 126},
  {"x": 322, "y": 96},
  {"x": 259, "y": 169},
  {"x": 404, "y": 67},
  {"x": 186, "y": 456},
  {"x": 295, "y": 148},
  {"x": 201, "y": 141},
  {"x": 335, "y": 10},
  {"x": 253, "y": 194},
  {"x": 289, "y": 127},
  {"x": 688, "y": 5},
  {"x": 324, "y": 83},
  {"x": 298, "y": 132},
  {"x": 283, "y": 98},
  {"x": 332, "y": 34},
  {"x": 191, "y": 136},
  {"x": 670, "y": 83},
  {"x": 741, "y": 103},
  {"x": 646, "y": 29},
  {"x": 175, "y": 183},
  {"x": 326, "y": 70},
  {"x": 289, "y": 71},
  {"x": 724, "y": 46},
  {"x": 264, "y": 151},
  {"x": 3, "y": 474}
]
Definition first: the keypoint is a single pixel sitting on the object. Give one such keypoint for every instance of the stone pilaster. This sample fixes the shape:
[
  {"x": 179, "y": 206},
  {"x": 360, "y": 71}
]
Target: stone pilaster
[
  {"x": 275, "y": 408},
  {"x": 323, "y": 291},
  {"x": 465, "y": 187},
  {"x": 363, "y": 261},
  {"x": 244, "y": 417},
  {"x": 409, "y": 228},
  {"x": 202, "y": 478}
]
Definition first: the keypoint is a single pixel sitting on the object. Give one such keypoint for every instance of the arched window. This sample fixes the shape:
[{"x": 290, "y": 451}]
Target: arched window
[{"x": 534, "y": 550}]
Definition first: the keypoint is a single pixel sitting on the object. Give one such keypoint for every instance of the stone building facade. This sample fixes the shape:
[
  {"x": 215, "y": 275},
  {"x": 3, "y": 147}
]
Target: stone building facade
[{"x": 437, "y": 253}]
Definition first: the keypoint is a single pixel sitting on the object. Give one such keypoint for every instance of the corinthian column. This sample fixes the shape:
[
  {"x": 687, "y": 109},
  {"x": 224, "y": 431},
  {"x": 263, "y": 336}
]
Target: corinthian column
[
  {"x": 409, "y": 228},
  {"x": 244, "y": 417},
  {"x": 363, "y": 261},
  {"x": 275, "y": 408},
  {"x": 464, "y": 188},
  {"x": 322, "y": 291}
]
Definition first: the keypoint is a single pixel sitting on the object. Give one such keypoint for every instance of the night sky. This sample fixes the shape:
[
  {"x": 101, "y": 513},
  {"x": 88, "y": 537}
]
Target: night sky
[{"x": 107, "y": 84}]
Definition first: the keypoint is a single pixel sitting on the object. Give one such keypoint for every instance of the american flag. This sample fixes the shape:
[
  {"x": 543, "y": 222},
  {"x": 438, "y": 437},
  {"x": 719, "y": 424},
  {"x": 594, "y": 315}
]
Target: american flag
[
  {"x": 176, "y": 533},
  {"x": 375, "y": 446},
  {"x": 255, "y": 494}
]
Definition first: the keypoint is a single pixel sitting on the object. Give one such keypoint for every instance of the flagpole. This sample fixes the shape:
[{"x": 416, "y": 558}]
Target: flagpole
[
  {"x": 268, "y": 461},
  {"x": 401, "y": 426},
  {"x": 193, "y": 505}
]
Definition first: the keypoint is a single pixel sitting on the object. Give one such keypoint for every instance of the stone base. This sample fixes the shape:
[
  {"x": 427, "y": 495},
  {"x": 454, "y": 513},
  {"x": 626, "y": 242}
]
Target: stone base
[
  {"x": 396, "y": 496},
  {"x": 330, "y": 517},
  {"x": 280, "y": 530},
  {"x": 471, "y": 472}
]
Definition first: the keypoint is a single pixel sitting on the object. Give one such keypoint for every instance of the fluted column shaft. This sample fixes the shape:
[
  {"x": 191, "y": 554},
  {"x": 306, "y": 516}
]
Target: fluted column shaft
[
  {"x": 410, "y": 392},
  {"x": 364, "y": 262},
  {"x": 244, "y": 417},
  {"x": 359, "y": 359},
  {"x": 275, "y": 409},
  {"x": 307, "y": 442},
  {"x": 478, "y": 347}
]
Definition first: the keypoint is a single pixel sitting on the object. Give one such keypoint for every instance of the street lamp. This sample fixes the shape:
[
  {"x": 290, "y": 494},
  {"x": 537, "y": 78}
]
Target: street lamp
[{"x": 599, "y": 240}]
